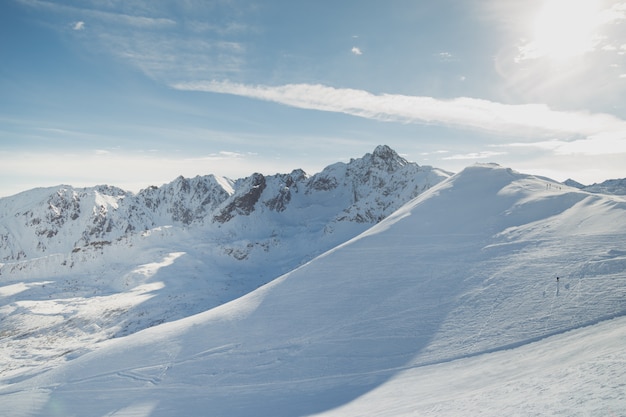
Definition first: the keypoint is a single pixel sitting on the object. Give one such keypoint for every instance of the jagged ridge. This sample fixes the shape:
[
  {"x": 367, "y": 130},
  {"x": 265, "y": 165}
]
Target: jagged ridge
[{"x": 63, "y": 219}]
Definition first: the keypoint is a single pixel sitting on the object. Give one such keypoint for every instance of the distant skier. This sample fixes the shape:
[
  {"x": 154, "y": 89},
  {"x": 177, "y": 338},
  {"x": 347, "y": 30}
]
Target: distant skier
[{"x": 558, "y": 286}]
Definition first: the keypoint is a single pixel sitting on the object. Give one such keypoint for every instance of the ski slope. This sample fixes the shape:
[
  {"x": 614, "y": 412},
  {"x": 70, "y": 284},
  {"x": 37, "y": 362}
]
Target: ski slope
[{"x": 450, "y": 306}]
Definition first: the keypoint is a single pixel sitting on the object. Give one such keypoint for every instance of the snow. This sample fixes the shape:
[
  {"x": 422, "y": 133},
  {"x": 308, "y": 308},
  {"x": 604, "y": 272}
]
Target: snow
[
  {"x": 107, "y": 255},
  {"x": 578, "y": 373},
  {"x": 104, "y": 200},
  {"x": 448, "y": 307}
]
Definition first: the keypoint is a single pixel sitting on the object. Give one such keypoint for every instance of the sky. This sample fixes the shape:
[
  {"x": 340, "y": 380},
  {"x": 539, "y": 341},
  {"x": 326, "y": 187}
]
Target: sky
[{"x": 135, "y": 93}]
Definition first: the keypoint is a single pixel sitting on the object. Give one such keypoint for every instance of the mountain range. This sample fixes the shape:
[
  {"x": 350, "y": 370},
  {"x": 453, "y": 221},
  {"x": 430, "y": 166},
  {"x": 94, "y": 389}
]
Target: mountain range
[
  {"x": 375, "y": 287},
  {"x": 64, "y": 219},
  {"x": 228, "y": 237}
]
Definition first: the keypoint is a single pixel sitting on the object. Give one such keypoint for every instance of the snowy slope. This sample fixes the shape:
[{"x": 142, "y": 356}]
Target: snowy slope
[
  {"x": 84, "y": 265},
  {"x": 577, "y": 373},
  {"x": 456, "y": 290}
]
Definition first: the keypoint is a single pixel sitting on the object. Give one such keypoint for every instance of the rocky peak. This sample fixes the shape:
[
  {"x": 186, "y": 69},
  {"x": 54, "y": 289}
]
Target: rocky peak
[
  {"x": 287, "y": 184},
  {"x": 109, "y": 190},
  {"x": 297, "y": 175},
  {"x": 573, "y": 183},
  {"x": 386, "y": 159},
  {"x": 244, "y": 199},
  {"x": 186, "y": 200}
]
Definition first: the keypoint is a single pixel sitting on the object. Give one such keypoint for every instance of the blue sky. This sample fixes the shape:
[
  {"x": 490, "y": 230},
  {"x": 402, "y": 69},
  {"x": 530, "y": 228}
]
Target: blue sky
[{"x": 134, "y": 93}]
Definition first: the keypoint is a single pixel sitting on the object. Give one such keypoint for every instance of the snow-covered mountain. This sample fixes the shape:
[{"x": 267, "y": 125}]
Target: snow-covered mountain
[
  {"x": 615, "y": 186},
  {"x": 490, "y": 293},
  {"x": 573, "y": 183},
  {"x": 64, "y": 219},
  {"x": 205, "y": 240}
]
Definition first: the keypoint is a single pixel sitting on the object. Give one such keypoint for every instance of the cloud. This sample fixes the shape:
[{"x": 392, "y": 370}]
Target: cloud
[
  {"x": 437, "y": 152},
  {"x": 226, "y": 154},
  {"x": 231, "y": 28},
  {"x": 181, "y": 46},
  {"x": 463, "y": 112},
  {"x": 446, "y": 56},
  {"x": 474, "y": 155},
  {"x": 166, "y": 56},
  {"x": 133, "y": 20},
  {"x": 356, "y": 51},
  {"x": 602, "y": 143},
  {"x": 615, "y": 13}
]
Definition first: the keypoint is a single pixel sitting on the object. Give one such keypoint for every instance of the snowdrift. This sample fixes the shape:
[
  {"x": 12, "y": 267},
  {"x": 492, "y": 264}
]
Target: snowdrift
[{"x": 461, "y": 279}]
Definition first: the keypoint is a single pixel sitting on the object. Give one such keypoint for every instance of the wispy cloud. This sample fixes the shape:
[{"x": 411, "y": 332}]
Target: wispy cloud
[
  {"x": 226, "y": 154},
  {"x": 602, "y": 143},
  {"x": 161, "y": 47},
  {"x": 615, "y": 13},
  {"x": 437, "y": 152},
  {"x": 474, "y": 155},
  {"x": 140, "y": 21},
  {"x": 231, "y": 28},
  {"x": 166, "y": 56},
  {"x": 446, "y": 56},
  {"x": 464, "y": 112}
]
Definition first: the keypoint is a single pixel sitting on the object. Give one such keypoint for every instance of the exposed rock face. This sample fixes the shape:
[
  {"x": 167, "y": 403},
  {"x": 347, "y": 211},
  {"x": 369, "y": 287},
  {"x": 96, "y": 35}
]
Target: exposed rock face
[
  {"x": 289, "y": 183},
  {"x": 185, "y": 200},
  {"x": 364, "y": 191},
  {"x": 244, "y": 200}
]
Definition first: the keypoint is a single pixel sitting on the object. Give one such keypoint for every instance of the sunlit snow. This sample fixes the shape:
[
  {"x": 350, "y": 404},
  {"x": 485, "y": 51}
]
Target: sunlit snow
[{"x": 493, "y": 293}]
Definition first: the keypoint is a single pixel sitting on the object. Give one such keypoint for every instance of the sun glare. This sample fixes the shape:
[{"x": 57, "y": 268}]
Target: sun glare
[{"x": 563, "y": 29}]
